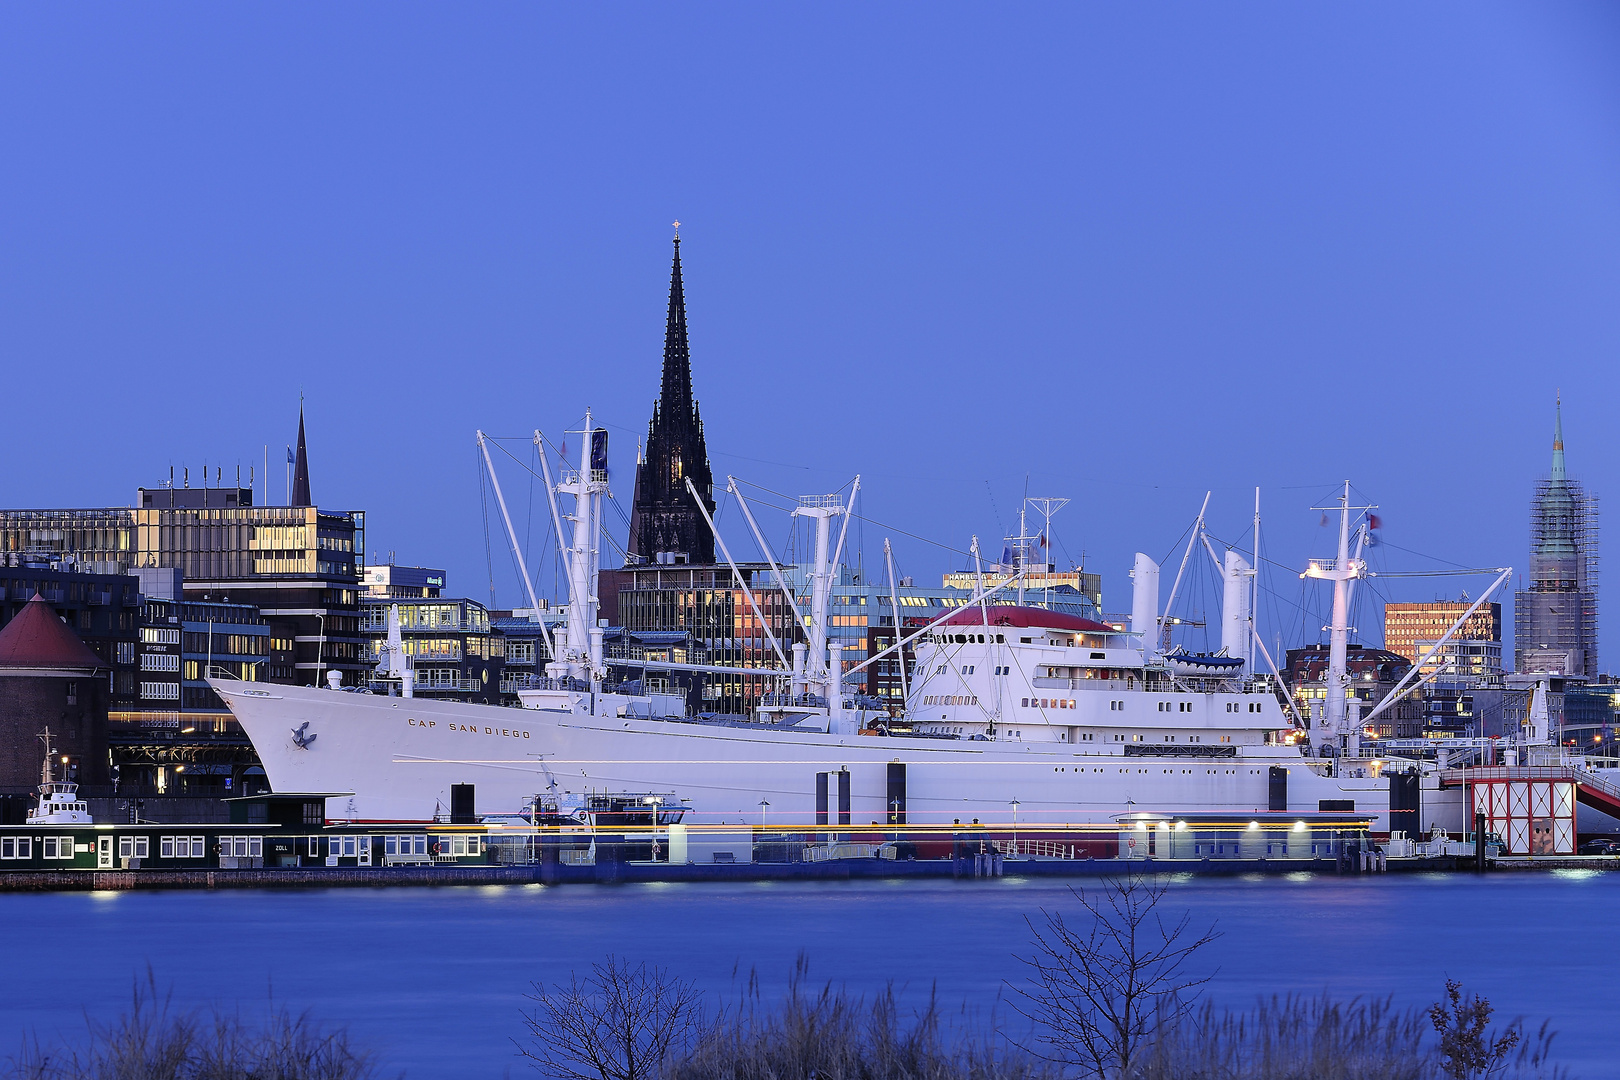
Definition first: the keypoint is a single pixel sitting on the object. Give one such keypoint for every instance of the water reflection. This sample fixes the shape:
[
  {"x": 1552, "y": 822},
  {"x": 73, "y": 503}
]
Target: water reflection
[{"x": 433, "y": 978}]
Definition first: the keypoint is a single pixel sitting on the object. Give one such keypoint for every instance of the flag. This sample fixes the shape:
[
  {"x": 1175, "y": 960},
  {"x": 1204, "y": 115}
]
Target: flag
[
  {"x": 1324, "y": 519},
  {"x": 1374, "y": 522},
  {"x": 290, "y": 459},
  {"x": 1043, "y": 539}
]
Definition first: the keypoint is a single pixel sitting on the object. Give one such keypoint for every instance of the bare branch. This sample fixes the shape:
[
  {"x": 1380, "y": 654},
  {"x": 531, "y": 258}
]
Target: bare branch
[
  {"x": 618, "y": 1023},
  {"x": 1100, "y": 985}
]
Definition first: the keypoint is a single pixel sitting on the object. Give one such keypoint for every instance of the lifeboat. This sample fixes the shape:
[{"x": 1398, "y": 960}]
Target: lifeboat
[{"x": 1203, "y": 665}]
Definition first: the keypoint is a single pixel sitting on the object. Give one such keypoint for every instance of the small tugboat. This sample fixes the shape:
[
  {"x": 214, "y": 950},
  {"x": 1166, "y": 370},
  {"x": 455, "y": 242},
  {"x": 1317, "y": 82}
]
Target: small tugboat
[{"x": 59, "y": 802}]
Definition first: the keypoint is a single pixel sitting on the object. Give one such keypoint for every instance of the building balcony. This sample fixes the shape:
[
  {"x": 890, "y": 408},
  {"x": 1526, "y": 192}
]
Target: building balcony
[
  {"x": 372, "y": 652},
  {"x": 460, "y": 684}
]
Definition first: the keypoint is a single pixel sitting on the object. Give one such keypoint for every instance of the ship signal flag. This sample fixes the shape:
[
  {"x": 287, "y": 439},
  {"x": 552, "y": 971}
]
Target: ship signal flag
[{"x": 1374, "y": 521}]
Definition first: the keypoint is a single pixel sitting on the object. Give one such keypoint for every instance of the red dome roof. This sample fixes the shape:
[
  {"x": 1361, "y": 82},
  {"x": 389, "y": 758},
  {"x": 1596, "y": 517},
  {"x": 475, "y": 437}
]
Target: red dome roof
[
  {"x": 1026, "y": 617},
  {"x": 37, "y": 638}
]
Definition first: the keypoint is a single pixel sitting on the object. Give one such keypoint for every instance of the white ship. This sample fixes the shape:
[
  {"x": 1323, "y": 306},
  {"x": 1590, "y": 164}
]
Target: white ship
[
  {"x": 1059, "y": 725},
  {"x": 59, "y": 802}
]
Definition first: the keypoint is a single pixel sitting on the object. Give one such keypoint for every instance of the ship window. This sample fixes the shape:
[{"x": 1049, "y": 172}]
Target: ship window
[
  {"x": 8, "y": 847},
  {"x": 50, "y": 847}
]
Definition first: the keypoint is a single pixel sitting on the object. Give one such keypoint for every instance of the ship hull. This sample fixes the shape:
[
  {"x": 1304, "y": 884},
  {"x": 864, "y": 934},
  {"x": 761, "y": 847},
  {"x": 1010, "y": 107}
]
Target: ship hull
[{"x": 395, "y": 759}]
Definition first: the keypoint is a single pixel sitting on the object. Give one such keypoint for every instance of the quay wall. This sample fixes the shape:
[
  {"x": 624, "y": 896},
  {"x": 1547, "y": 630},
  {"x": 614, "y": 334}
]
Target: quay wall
[{"x": 613, "y": 873}]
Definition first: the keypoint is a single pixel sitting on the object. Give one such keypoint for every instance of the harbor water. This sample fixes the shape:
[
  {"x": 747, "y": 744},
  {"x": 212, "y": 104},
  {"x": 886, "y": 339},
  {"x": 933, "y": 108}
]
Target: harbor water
[{"x": 432, "y": 979}]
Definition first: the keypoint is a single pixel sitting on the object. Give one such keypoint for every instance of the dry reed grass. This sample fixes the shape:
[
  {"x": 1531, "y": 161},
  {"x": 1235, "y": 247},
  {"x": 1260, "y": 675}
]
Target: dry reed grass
[
  {"x": 153, "y": 1042},
  {"x": 830, "y": 1034}
]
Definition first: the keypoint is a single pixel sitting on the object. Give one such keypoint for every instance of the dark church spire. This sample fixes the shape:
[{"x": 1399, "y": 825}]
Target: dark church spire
[
  {"x": 664, "y": 521},
  {"x": 676, "y": 391},
  {"x": 300, "y": 489}
]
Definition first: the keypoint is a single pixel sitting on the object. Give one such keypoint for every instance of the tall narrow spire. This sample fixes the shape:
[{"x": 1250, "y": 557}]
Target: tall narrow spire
[
  {"x": 1558, "y": 472},
  {"x": 300, "y": 491},
  {"x": 664, "y": 520},
  {"x": 676, "y": 391}
]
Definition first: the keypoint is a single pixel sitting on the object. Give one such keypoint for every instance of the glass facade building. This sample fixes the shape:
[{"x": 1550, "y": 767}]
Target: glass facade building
[
  {"x": 1411, "y": 629},
  {"x": 455, "y": 650},
  {"x": 298, "y": 565}
]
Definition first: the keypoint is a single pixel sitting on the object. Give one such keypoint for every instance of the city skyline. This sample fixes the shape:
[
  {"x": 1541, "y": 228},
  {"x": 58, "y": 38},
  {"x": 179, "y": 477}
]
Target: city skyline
[{"x": 1074, "y": 250}]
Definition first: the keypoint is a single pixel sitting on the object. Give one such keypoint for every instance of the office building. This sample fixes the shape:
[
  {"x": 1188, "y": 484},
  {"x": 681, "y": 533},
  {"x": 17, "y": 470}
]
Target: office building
[
  {"x": 181, "y": 740},
  {"x": 1412, "y": 629},
  {"x": 526, "y": 636},
  {"x": 705, "y": 604},
  {"x": 455, "y": 652},
  {"x": 296, "y": 564},
  {"x": 1373, "y": 674},
  {"x": 1555, "y": 623},
  {"x": 408, "y": 582}
]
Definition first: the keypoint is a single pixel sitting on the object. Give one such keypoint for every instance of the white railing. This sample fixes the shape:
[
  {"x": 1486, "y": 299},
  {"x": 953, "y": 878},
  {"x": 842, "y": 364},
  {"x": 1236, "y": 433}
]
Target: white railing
[{"x": 1043, "y": 849}]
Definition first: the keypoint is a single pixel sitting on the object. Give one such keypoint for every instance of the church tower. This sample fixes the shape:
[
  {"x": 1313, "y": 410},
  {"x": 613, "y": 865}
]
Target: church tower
[
  {"x": 1555, "y": 619},
  {"x": 665, "y": 525}
]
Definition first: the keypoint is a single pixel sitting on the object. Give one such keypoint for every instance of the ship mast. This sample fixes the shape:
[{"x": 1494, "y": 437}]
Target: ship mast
[
  {"x": 823, "y": 666},
  {"x": 581, "y": 653},
  {"x": 45, "y": 777},
  {"x": 1343, "y": 572}
]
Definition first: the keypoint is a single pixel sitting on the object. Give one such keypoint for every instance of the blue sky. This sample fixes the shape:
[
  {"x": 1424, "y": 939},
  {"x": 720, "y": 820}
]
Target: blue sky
[{"x": 1124, "y": 254}]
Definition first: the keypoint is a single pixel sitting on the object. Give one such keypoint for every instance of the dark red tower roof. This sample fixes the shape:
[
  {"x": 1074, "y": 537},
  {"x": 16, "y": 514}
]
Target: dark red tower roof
[{"x": 37, "y": 639}]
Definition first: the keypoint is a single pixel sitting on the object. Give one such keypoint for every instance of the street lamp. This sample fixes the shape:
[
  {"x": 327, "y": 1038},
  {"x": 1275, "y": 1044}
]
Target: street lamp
[
  {"x": 763, "y": 803},
  {"x": 1015, "y": 824},
  {"x": 654, "y": 801}
]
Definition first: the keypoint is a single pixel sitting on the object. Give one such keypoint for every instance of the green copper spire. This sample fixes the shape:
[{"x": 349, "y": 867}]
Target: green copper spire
[{"x": 1558, "y": 472}]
